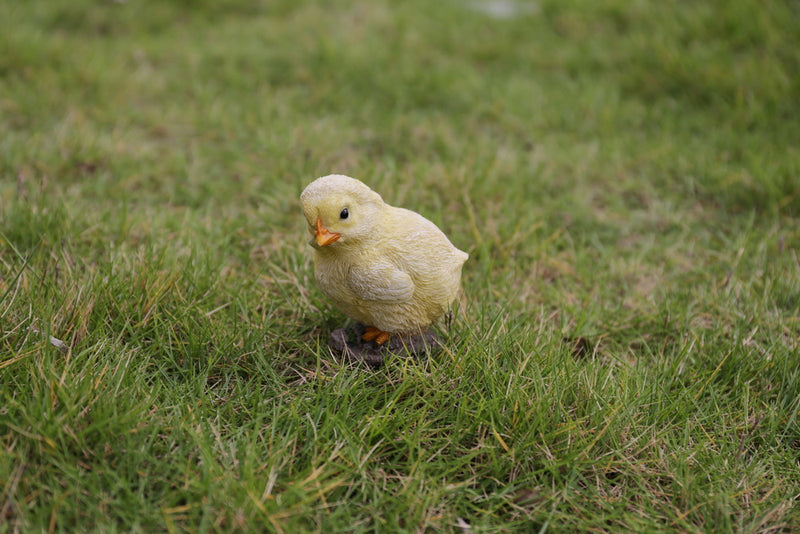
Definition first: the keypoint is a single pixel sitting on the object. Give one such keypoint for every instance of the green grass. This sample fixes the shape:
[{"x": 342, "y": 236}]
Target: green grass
[{"x": 625, "y": 177}]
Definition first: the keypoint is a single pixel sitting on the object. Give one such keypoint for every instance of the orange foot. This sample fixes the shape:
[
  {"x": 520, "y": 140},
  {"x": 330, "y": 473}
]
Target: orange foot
[{"x": 379, "y": 336}]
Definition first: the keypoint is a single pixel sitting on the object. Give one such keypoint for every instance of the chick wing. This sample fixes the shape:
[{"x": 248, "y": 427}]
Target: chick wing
[{"x": 380, "y": 281}]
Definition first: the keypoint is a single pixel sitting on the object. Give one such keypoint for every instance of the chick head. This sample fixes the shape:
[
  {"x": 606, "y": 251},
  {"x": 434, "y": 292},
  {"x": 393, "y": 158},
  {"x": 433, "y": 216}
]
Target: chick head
[{"x": 340, "y": 210}]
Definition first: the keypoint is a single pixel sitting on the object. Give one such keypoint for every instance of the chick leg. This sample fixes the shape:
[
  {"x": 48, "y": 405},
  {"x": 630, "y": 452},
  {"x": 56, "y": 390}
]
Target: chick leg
[{"x": 379, "y": 336}]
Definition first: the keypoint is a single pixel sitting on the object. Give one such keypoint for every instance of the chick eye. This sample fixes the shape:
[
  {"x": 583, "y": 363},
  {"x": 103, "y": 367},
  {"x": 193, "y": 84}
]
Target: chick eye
[{"x": 344, "y": 214}]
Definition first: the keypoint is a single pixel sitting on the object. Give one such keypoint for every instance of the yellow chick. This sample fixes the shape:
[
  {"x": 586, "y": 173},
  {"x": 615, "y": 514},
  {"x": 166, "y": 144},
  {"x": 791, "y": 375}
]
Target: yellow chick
[{"x": 389, "y": 268}]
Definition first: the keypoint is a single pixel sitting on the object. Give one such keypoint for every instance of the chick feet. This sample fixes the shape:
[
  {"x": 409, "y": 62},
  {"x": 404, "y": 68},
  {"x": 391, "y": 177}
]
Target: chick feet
[
  {"x": 349, "y": 343},
  {"x": 375, "y": 334}
]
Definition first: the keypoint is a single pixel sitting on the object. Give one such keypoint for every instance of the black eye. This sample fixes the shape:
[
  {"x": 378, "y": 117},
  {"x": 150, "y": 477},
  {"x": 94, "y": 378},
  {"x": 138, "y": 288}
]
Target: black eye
[{"x": 344, "y": 214}]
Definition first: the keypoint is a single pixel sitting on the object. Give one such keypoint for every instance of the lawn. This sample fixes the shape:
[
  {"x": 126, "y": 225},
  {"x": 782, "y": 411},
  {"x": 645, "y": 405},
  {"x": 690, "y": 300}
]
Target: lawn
[{"x": 624, "y": 175}]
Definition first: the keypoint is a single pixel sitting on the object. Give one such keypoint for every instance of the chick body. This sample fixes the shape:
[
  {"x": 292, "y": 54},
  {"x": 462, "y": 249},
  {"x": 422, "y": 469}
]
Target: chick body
[{"x": 389, "y": 267}]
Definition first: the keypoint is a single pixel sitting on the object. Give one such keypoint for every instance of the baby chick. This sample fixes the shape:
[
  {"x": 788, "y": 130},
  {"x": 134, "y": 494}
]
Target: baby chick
[{"x": 389, "y": 268}]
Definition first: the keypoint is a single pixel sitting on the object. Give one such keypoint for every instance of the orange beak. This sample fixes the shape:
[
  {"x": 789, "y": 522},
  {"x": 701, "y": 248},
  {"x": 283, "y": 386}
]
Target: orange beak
[{"x": 324, "y": 236}]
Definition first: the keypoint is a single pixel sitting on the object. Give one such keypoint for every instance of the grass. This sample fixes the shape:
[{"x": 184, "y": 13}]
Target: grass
[{"x": 625, "y": 177}]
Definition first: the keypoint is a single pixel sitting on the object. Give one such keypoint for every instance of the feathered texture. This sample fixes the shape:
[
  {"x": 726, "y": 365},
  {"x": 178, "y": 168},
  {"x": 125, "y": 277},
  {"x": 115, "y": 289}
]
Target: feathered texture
[{"x": 386, "y": 267}]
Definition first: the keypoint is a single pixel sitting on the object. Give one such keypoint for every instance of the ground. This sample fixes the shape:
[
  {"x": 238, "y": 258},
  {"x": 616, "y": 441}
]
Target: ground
[{"x": 624, "y": 175}]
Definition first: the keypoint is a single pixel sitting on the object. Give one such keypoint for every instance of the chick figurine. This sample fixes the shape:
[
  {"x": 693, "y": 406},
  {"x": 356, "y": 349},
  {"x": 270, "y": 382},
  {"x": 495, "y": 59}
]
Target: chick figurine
[{"x": 388, "y": 268}]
